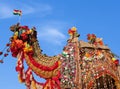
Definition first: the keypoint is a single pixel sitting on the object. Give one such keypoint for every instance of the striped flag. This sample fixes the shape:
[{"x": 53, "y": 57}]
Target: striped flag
[{"x": 17, "y": 12}]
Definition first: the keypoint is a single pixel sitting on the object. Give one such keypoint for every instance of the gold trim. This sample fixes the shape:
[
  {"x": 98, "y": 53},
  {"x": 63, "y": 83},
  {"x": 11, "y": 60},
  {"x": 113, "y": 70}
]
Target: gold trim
[
  {"x": 42, "y": 59},
  {"x": 40, "y": 72}
]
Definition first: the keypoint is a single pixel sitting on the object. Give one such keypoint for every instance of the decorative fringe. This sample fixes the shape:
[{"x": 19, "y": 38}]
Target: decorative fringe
[
  {"x": 42, "y": 71},
  {"x": 20, "y": 68},
  {"x": 29, "y": 77},
  {"x": 33, "y": 85},
  {"x": 52, "y": 83},
  {"x": 117, "y": 84}
]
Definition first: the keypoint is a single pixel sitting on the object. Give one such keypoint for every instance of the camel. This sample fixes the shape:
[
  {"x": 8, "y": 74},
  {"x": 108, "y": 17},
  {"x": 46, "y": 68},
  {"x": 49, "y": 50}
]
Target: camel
[{"x": 81, "y": 65}]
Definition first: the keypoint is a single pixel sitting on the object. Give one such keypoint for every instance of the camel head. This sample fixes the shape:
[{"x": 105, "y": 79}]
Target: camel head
[{"x": 13, "y": 28}]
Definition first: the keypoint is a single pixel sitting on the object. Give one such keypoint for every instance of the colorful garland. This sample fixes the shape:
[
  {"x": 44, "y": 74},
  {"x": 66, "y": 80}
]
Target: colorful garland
[
  {"x": 21, "y": 47},
  {"x": 59, "y": 75},
  {"x": 89, "y": 56},
  {"x": 94, "y": 40},
  {"x": 68, "y": 69}
]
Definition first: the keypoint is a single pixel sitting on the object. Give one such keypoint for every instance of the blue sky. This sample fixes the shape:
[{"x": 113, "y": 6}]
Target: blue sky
[{"x": 53, "y": 19}]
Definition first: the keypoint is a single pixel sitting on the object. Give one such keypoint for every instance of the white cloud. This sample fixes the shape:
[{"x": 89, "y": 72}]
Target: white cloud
[
  {"x": 5, "y": 11},
  {"x": 40, "y": 9},
  {"x": 51, "y": 35}
]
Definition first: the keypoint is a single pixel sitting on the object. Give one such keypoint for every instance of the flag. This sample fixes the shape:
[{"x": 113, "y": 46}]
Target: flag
[{"x": 17, "y": 12}]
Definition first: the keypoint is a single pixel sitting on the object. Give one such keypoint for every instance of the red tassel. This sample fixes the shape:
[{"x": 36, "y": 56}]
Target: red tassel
[
  {"x": 1, "y": 61},
  {"x": 8, "y": 44},
  {"x": 20, "y": 67},
  {"x": 116, "y": 62},
  {"x": 5, "y": 55},
  {"x": 8, "y": 50},
  {"x": 1, "y": 53},
  {"x": 28, "y": 75},
  {"x": 24, "y": 27}
]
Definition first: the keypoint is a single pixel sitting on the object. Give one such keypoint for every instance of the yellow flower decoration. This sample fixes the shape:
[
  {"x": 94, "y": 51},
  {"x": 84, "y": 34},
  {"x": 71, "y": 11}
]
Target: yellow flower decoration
[{"x": 74, "y": 29}]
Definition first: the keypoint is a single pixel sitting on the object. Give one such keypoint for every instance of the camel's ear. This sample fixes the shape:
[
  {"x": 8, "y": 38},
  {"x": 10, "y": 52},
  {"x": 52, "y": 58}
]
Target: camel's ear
[
  {"x": 99, "y": 39},
  {"x": 18, "y": 24},
  {"x": 14, "y": 27}
]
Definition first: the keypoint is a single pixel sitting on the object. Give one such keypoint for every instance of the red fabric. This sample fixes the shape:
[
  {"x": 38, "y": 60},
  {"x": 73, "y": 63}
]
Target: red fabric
[
  {"x": 15, "y": 47},
  {"x": 54, "y": 82},
  {"x": 24, "y": 27},
  {"x": 17, "y": 10},
  {"x": 20, "y": 67},
  {"x": 40, "y": 66},
  {"x": 57, "y": 81},
  {"x": 28, "y": 76},
  {"x": 24, "y": 36},
  {"x": 71, "y": 31},
  {"x": 116, "y": 62}
]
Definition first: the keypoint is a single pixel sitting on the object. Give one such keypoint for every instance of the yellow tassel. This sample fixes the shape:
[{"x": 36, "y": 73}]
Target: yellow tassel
[
  {"x": 73, "y": 28},
  {"x": 33, "y": 85},
  {"x": 16, "y": 34},
  {"x": 113, "y": 59},
  {"x": 117, "y": 84},
  {"x": 19, "y": 79},
  {"x": 14, "y": 37}
]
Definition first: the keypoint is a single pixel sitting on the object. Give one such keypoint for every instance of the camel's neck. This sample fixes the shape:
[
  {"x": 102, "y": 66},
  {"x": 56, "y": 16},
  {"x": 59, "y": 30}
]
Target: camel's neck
[
  {"x": 28, "y": 38},
  {"x": 41, "y": 58}
]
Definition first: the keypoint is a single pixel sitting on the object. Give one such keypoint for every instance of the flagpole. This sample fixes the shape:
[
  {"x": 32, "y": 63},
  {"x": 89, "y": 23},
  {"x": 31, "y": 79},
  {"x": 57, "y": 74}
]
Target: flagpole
[{"x": 19, "y": 19}]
